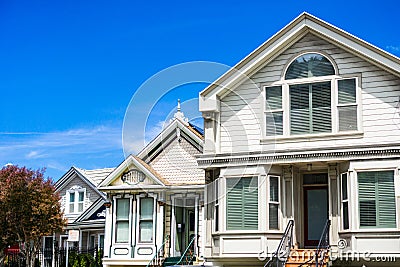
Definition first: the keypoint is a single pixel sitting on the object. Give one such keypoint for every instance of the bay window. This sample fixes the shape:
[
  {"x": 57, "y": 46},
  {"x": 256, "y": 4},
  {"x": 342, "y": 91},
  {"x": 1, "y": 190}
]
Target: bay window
[
  {"x": 146, "y": 211},
  {"x": 273, "y": 202},
  {"x": 311, "y": 99},
  {"x": 122, "y": 220}
]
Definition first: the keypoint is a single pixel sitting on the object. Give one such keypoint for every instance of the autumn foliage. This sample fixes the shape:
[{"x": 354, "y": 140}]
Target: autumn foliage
[{"x": 29, "y": 209}]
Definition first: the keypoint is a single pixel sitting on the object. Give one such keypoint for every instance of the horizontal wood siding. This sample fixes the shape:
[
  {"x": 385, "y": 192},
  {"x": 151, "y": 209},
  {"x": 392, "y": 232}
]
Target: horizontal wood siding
[{"x": 242, "y": 119}]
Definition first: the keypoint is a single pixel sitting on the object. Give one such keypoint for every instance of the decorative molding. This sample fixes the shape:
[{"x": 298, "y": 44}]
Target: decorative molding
[{"x": 286, "y": 158}]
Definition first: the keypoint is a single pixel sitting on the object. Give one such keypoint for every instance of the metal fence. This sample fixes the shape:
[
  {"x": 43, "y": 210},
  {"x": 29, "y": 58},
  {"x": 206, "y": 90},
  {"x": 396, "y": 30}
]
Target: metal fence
[{"x": 57, "y": 258}]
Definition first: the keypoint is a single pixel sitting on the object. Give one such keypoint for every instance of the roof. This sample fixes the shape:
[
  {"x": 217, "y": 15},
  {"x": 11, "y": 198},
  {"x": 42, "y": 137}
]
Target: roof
[
  {"x": 266, "y": 52},
  {"x": 96, "y": 176}
]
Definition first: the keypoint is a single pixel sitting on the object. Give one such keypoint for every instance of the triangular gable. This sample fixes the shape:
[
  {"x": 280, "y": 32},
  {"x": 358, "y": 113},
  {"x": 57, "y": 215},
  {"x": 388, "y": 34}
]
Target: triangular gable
[
  {"x": 133, "y": 163},
  {"x": 71, "y": 174},
  {"x": 96, "y": 212},
  {"x": 196, "y": 138},
  {"x": 269, "y": 50}
]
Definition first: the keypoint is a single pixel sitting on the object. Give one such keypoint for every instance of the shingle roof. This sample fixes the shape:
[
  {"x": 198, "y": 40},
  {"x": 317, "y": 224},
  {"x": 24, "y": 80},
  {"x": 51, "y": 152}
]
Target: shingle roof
[{"x": 96, "y": 176}]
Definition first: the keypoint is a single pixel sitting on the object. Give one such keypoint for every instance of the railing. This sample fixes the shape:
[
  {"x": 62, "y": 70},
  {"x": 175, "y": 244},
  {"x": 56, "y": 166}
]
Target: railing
[
  {"x": 188, "y": 258},
  {"x": 280, "y": 256},
  {"x": 323, "y": 245},
  {"x": 159, "y": 256}
]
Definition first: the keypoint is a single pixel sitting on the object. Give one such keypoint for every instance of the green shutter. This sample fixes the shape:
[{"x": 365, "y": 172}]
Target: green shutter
[
  {"x": 377, "y": 199},
  {"x": 242, "y": 204},
  {"x": 310, "y": 108},
  {"x": 274, "y": 119}
]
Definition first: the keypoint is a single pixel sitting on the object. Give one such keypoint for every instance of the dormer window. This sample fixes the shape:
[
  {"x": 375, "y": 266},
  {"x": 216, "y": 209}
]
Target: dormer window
[
  {"x": 76, "y": 199},
  {"x": 311, "y": 99}
]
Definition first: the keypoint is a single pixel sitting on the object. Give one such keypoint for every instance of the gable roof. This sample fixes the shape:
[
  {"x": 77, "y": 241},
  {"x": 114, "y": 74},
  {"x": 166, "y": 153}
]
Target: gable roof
[
  {"x": 138, "y": 163},
  {"x": 189, "y": 129},
  {"x": 87, "y": 214},
  {"x": 90, "y": 177},
  {"x": 270, "y": 49}
]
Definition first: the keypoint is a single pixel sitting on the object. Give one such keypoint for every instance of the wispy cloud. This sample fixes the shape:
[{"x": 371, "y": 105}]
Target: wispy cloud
[
  {"x": 393, "y": 48},
  {"x": 58, "y": 151}
]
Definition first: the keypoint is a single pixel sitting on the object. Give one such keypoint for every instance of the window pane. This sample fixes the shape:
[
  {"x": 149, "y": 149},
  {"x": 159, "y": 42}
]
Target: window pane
[
  {"x": 146, "y": 208},
  {"x": 273, "y": 216},
  {"x": 274, "y": 97},
  {"x": 81, "y": 196},
  {"x": 242, "y": 203},
  {"x": 345, "y": 216},
  {"x": 344, "y": 186},
  {"x": 309, "y": 65},
  {"x": 347, "y": 91},
  {"x": 122, "y": 209},
  {"x": 273, "y": 189},
  {"x": 347, "y": 118},
  {"x": 146, "y": 231},
  {"x": 80, "y": 207},
  {"x": 274, "y": 123},
  {"x": 377, "y": 199},
  {"x": 321, "y": 108},
  {"x": 71, "y": 208},
  {"x": 299, "y": 109},
  {"x": 122, "y": 232},
  {"x": 71, "y": 197}
]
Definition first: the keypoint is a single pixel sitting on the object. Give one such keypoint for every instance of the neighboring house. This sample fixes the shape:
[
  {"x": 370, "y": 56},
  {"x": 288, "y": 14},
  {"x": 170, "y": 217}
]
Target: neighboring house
[
  {"x": 83, "y": 207},
  {"x": 155, "y": 199},
  {"x": 305, "y": 128}
]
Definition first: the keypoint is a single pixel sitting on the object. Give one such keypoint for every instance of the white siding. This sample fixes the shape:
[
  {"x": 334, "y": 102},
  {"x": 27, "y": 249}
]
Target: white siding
[{"x": 242, "y": 114}]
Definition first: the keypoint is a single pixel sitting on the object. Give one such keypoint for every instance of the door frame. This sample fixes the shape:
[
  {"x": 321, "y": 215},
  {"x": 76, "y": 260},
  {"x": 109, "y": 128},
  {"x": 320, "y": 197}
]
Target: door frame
[{"x": 306, "y": 188}]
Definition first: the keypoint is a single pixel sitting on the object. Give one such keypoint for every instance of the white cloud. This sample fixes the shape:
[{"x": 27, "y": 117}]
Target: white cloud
[{"x": 393, "y": 48}]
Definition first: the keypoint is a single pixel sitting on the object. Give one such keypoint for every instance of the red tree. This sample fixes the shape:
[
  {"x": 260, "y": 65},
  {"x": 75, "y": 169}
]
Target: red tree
[{"x": 29, "y": 209}]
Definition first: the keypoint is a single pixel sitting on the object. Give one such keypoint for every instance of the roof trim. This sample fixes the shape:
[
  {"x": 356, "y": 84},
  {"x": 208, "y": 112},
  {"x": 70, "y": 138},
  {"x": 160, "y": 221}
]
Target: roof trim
[
  {"x": 89, "y": 211},
  {"x": 176, "y": 123},
  {"x": 140, "y": 164},
  {"x": 69, "y": 175},
  {"x": 271, "y": 48}
]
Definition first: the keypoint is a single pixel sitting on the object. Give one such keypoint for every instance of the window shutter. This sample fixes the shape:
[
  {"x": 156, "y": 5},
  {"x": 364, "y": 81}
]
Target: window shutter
[
  {"x": 299, "y": 109},
  {"x": 387, "y": 200},
  {"x": 242, "y": 204},
  {"x": 321, "y": 107},
  {"x": 377, "y": 199},
  {"x": 347, "y": 105}
]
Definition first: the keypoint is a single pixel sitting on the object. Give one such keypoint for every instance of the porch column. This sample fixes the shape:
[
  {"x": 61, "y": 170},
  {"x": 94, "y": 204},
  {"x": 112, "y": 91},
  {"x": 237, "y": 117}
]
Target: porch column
[
  {"x": 196, "y": 224},
  {"x": 333, "y": 203},
  {"x": 287, "y": 199}
]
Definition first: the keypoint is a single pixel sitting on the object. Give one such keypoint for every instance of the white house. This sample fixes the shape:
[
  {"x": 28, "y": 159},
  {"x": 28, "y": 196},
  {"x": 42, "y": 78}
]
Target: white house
[
  {"x": 155, "y": 201},
  {"x": 305, "y": 128}
]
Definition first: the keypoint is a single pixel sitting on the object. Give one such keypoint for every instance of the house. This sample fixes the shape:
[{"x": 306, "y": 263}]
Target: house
[
  {"x": 83, "y": 207},
  {"x": 155, "y": 200},
  {"x": 303, "y": 134}
]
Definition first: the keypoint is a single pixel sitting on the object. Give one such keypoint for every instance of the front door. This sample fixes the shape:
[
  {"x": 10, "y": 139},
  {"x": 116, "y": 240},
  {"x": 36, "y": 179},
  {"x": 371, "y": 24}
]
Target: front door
[{"x": 315, "y": 190}]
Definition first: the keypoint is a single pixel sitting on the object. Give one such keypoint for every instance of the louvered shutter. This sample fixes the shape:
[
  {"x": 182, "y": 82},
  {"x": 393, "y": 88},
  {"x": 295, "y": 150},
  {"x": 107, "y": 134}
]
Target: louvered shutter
[
  {"x": 321, "y": 108},
  {"x": 377, "y": 199},
  {"x": 386, "y": 199},
  {"x": 242, "y": 204},
  {"x": 299, "y": 109}
]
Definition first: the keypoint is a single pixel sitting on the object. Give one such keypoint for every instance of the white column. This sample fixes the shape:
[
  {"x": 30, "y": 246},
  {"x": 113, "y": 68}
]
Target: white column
[
  {"x": 108, "y": 232},
  {"x": 196, "y": 223}
]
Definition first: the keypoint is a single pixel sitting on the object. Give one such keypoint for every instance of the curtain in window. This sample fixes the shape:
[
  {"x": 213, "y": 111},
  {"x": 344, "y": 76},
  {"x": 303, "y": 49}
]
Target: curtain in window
[{"x": 122, "y": 224}]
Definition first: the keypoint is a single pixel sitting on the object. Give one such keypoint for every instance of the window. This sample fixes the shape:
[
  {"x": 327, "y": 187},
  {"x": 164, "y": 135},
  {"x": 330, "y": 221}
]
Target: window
[
  {"x": 311, "y": 99},
  {"x": 242, "y": 203},
  {"x": 146, "y": 220},
  {"x": 273, "y": 202},
  {"x": 76, "y": 200},
  {"x": 122, "y": 220},
  {"x": 344, "y": 202},
  {"x": 377, "y": 206}
]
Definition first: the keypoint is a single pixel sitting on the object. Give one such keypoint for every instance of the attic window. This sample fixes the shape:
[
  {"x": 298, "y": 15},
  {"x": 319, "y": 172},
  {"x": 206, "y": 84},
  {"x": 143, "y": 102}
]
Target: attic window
[{"x": 309, "y": 65}]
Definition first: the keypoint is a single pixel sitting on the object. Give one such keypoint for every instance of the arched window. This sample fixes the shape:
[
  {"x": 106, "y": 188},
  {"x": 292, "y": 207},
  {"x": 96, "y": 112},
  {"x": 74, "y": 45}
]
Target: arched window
[
  {"x": 311, "y": 99},
  {"x": 309, "y": 65}
]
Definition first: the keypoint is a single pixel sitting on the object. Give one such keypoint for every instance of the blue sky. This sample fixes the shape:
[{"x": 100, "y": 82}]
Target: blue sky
[{"x": 68, "y": 69}]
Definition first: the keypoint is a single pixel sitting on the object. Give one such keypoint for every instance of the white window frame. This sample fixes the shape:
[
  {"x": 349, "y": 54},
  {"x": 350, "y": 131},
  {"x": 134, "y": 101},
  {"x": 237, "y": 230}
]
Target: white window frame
[
  {"x": 274, "y": 202},
  {"x": 114, "y": 239},
  {"x": 76, "y": 191},
  {"x": 138, "y": 200},
  {"x": 342, "y": 201},
  {"x": 285, "y": 84}
]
